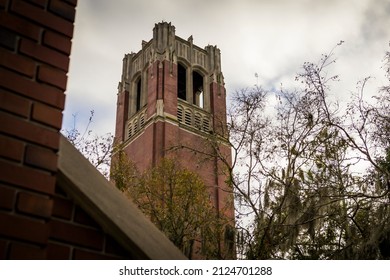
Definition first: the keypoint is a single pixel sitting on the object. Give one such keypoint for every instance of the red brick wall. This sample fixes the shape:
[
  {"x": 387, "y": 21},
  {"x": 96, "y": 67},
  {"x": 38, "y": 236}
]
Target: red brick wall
[
  {"x": 139, "y": 150},
  {"x": 37, "y": 220},
  {"x": 218, "y": 106},
  {"x": 34, "y": 60},
  {"x": 75, "y": 235},
  {"x": 170, "y": 87},
  {"x": 154, "y": 72}
]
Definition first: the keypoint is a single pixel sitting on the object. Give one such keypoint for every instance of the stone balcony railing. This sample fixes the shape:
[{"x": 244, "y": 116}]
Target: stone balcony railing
[
  {"x": 187, "y": 114},
  {"x": 193, "y": 116}
]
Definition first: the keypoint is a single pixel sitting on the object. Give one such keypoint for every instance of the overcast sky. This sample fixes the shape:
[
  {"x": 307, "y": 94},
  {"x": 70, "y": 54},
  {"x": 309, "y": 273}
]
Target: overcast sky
[{"x": 269, "y": 37}]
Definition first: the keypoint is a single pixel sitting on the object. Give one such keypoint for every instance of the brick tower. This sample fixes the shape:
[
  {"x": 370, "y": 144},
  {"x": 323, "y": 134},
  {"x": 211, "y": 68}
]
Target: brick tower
[{"x": 172, "y": 94}]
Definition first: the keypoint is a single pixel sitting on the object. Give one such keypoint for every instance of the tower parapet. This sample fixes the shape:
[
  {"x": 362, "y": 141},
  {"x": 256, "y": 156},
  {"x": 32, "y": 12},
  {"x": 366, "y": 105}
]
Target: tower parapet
[
  {"x": 193, "y": 73},
  {"x": 165, "y": 45}
]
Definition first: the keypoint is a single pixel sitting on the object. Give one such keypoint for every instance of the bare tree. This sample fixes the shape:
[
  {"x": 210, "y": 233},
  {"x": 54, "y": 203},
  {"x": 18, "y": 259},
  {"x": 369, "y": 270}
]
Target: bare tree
[
  {"x": 311, "y": 178},
  {"x": 96, "y": 148}
]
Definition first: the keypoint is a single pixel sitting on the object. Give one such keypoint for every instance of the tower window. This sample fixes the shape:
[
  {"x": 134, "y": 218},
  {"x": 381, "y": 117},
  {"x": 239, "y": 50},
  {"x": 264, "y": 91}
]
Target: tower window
[
  {"x": 197, "y": 82},
  {"x": 138, "y": 91},
  {"x": 181, "y": 82}
]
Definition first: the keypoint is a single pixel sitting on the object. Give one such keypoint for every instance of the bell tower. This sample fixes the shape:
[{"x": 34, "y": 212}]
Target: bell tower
[{"x": 172, "y": 94}]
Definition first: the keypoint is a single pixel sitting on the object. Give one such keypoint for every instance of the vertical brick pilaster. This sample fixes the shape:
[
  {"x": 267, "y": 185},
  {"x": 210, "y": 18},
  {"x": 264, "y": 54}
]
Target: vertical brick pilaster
[{"x": 34, "y": 59}]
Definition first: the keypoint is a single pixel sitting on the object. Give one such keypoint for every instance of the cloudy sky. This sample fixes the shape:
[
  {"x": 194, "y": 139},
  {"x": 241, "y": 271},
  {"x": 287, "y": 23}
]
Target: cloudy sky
[{"x": 269, "y": 37}]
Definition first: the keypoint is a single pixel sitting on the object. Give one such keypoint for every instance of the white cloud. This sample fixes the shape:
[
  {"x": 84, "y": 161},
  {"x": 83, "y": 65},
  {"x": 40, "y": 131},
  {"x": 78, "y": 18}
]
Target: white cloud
[{"x": 272, "y": 38}]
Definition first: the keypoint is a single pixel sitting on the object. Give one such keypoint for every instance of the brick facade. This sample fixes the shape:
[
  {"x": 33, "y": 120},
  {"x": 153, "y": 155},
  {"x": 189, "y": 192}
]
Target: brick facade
[
  {"x": 34, "y": 58},
  {"x": 76, "y": 235},
  {"x": 38, "y": 219}
]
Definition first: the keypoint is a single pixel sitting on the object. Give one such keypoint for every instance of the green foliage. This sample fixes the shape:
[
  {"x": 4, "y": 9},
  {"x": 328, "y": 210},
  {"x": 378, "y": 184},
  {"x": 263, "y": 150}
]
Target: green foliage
[
  {"x": 123, "y": 171},
  {"x": 177, "y": 202}
]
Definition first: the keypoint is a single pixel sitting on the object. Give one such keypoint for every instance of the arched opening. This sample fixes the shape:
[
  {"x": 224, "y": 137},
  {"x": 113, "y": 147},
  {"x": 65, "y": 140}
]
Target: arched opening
[
  {"x": 181, "y": 82},
  {"x": 138, "y": 95},
  {"x": 197, "y": 89}
]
